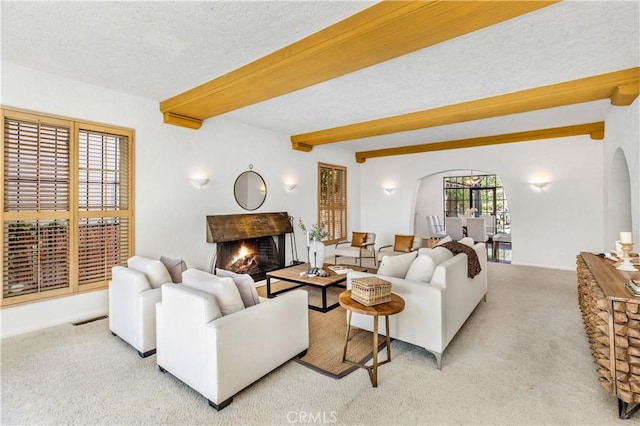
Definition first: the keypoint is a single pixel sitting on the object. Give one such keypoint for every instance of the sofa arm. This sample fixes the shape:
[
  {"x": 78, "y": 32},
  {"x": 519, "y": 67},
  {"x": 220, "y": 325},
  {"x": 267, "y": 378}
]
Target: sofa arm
[{"x": 246, "y": 345}]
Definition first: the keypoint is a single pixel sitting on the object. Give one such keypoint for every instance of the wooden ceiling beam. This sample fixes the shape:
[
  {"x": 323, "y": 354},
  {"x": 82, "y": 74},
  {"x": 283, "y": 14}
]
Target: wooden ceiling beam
[
  {"x": 594, "y": 130},
  {"x": 384, "y": 31},
  {"x": 619, "y": 86}
]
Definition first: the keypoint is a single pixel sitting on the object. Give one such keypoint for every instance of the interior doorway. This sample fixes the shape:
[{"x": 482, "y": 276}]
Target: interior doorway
[
  {"x": 462, "y": 193},
  {"x": 477, "y": 195}
]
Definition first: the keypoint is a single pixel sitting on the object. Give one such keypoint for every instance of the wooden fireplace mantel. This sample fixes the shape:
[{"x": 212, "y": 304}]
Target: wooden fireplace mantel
[{"x": 234, "y": 227}]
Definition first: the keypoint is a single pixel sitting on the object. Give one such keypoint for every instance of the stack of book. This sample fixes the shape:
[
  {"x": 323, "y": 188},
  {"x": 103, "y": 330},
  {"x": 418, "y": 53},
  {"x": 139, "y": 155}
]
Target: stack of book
[{"x": 338, "y": 269}]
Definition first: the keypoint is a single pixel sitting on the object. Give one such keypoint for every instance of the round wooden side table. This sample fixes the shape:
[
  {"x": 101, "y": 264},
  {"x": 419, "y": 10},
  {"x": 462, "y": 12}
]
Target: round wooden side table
[{"x": 395, "y": 306}]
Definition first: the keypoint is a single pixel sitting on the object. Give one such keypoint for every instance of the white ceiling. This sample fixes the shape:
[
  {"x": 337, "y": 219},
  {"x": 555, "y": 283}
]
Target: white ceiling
[{"x": 159, "y": 49}]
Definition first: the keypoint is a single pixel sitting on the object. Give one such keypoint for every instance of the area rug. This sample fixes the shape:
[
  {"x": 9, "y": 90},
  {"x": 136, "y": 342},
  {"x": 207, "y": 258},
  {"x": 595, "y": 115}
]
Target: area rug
[{"x": 327, "y": 332}]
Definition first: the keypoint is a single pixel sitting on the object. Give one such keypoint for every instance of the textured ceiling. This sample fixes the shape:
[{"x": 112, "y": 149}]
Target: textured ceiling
[{"x": 159, "y": 49}]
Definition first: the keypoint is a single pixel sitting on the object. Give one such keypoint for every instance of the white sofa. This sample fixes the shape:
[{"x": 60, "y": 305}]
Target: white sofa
[
  {"x": 434, "y": 310},
  {"x": 217, "y": 355},
  {"x": 133, "y": 294}
]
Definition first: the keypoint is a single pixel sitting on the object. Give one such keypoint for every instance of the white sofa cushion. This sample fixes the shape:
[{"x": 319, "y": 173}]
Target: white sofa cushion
[
  {"x": 446, "y": 239},
  {"x": 396, "y": 266},
  {"x": 423, "y": 266},
  {"x": 224, "y": 289},
  {"x": 246, "y": 286},
  {"x": 155, "y": 271}
]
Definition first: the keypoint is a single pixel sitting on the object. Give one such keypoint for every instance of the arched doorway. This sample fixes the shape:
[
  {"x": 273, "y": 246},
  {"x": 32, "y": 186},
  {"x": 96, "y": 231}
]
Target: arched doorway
[
  {"x": 619, "y": 200},
  {"x": 462, "y": 193}
]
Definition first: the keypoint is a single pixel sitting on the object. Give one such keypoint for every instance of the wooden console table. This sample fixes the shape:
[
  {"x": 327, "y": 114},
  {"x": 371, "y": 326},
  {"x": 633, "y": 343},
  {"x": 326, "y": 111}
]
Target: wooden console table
[{"x": 611, "y": 316}]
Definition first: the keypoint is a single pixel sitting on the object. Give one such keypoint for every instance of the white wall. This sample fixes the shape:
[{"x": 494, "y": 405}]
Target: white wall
[
  {"x": 170, "y": 212},
  {"x": 548, "y": 228},
  {"x": 622, "y": 131}
]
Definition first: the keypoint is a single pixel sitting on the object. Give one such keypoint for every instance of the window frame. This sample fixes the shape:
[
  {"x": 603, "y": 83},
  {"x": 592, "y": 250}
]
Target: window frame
[
  {"x": 467, "y": 192},
  {"x": 333, "y": 208},
  {"x": 73, "y": 215}
]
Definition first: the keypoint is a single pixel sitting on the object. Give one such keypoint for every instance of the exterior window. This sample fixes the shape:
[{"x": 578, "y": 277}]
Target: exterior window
[
  {"x": 66, "y": 208},
  {"x": 484, "y": 193},
  {"x": 332, "y": 201}
]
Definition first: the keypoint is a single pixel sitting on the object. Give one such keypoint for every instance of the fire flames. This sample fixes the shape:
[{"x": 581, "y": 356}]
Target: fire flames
[{"x": 245, "y": 261}]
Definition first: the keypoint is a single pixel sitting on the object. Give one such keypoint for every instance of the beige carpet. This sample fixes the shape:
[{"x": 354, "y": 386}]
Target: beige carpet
[
  {"x": 522, "y": 358},
  {"x": 327, "y": 333}
]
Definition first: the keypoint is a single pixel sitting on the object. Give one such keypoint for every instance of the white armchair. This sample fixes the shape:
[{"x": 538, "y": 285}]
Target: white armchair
[
  {"x": 362, "y": 245},
  {"x": 217, "y": 355},
  {"x": 133, "y": 294}
]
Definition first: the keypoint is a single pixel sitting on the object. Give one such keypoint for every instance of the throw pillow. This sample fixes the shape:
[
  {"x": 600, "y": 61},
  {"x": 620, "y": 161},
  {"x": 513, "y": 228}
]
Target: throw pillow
[
  {"x": 468, "y": 241},
  {"x": 440, "y": 254},
  {"x": 358, "y": 239},
  {"x": 403, "y": 243},
  {"x": 421, "y": 269},
  {"x": 155, "y": 271},
  {"x": 424, "y": 266},
  {"x": 175, "y": 267},
  {"x": 246, "y": 286},
  {"x": 444, "y": 240},
  {"x": 225, "y": 291},
  {"x": 396, "y": 266}
]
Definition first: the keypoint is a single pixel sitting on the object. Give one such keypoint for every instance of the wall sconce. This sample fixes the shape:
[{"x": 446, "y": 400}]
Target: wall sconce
[
  {"x": 539, "y": 186},
  {"x": 290, "y": 187},
  {"x": 200, "y": 182},
  {"x": 389, "y": 190}
]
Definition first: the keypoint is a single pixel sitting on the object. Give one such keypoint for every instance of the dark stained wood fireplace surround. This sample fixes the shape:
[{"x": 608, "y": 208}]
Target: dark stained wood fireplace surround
[{"x": 261, "y": 231}]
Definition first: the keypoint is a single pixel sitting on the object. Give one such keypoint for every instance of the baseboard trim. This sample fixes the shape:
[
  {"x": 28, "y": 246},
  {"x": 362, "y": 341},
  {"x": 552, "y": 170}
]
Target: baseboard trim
[{"x": 535, "y": 265}]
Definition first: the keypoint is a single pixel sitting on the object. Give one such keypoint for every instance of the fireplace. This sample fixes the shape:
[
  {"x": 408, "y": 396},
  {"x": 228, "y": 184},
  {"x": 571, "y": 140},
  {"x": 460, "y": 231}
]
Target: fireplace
[{"x": 251, "y": 244}]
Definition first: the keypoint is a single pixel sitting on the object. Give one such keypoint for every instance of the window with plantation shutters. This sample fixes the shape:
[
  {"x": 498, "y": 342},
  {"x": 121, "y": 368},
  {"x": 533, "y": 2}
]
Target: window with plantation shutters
[
  {"x": 103, "y": 201},
  {"x": 332, "y": 200},
  {"x": 66, "y": 219}
]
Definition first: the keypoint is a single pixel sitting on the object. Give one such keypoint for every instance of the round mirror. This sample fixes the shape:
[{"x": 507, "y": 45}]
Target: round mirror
[{"x": 250, "y": 190}]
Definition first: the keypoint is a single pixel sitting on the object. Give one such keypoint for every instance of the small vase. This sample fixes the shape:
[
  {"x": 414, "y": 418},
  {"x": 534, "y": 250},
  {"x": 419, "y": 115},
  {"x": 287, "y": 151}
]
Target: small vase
[{"x": 316, "y": 254}]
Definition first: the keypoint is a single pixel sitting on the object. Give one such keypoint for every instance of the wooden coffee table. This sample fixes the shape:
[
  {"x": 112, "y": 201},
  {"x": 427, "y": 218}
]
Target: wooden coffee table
[
  {"x": 396, "y": 305},
  {"x": 292, "y": 274}
]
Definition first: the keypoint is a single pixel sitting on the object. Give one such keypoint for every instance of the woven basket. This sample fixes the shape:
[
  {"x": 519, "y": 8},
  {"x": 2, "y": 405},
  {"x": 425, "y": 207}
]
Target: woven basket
[{"x": 370, "y": 291}]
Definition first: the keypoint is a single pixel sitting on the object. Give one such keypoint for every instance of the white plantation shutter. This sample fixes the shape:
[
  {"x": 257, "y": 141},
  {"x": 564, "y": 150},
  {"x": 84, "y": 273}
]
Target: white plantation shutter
[{"x": 66, "y": 205}]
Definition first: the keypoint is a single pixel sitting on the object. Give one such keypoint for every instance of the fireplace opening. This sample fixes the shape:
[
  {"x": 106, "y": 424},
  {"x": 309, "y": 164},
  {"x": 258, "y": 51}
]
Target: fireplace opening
[
  {"x": 251, "y": 244},
  {"x": 253, "y": 256}
]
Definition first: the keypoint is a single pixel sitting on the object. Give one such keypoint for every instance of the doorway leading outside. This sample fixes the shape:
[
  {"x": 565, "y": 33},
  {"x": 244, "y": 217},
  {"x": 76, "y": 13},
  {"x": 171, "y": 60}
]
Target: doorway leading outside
[{"x": 480, "y": 195}]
